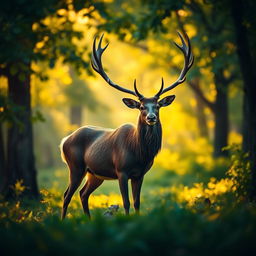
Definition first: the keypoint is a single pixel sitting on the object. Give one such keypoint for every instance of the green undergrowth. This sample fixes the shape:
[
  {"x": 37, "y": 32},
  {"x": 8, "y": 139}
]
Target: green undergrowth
[
  {"x": 208, "y": 214},
  {"x": 169, "y": 229}
]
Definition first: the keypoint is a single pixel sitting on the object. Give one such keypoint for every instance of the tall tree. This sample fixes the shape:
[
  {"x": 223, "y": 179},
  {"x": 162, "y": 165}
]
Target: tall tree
[
  {"x": 243, "y": 14},
  {"x": 2, "y": 155},
  {"x": 200, "y": 108},
  {"x": 2, "y": 151},
  {"x": 32, "y": 31}
]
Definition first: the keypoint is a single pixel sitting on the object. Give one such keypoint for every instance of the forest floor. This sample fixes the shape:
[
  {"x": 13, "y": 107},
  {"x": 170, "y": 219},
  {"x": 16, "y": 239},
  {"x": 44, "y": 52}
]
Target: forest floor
[{"x": 179, "y": 216}]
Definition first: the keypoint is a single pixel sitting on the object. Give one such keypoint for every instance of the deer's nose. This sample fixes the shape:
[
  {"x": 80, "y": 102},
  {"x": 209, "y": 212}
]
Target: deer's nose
[{"x": 151, "y": 118}]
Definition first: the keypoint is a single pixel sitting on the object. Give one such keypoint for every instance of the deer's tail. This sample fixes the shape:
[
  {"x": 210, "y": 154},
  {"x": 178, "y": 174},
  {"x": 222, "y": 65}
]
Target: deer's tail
[{"x": 61, "y": 149}]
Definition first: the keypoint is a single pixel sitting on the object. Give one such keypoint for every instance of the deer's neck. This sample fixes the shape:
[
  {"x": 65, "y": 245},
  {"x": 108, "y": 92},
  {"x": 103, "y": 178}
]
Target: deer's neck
[{"x": 149, "y": 140}]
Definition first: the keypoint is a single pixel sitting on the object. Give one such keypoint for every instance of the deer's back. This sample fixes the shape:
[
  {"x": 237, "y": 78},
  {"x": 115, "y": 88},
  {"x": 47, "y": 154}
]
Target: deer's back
[
  {"x": 97, "y": 147},
  {"x": 83, "y": 137}
]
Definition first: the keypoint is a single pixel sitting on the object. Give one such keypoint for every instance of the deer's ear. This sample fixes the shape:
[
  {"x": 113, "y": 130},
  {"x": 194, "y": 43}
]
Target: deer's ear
[
  {"x": 130, "y": 103},
  {"x": 166, "y": 101}
]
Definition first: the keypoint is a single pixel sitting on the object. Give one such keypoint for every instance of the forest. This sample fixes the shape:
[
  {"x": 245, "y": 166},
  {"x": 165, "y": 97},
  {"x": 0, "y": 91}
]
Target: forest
[{"x": 199, "y": 196}]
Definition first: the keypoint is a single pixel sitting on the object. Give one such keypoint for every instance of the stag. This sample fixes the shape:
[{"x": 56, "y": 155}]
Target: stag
[{"x": 125, "y": 153}]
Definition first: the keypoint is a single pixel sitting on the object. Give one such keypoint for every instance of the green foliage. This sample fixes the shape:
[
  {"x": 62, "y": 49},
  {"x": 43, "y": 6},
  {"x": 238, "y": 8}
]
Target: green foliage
[
  {"x": 169, "y": 229},
  {"x": 38, "y": 116},
  {"x": 139, "y": 18},
  {"x": 240, "y": 172},
  {"x": 32, "y": 22},
  {"x": 9, "y": 111},
  {"x": 212, "y": 38},
  {"x": 210, "y": 225}
]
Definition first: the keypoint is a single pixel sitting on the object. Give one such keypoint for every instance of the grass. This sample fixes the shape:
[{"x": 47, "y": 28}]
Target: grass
[{"x": 189, "y": 219}]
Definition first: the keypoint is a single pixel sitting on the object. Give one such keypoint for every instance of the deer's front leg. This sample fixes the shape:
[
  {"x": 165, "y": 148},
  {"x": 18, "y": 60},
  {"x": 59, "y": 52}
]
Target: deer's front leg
[
  {"x": 123, "y": 184},
  {"x": 136, "y": 188}
]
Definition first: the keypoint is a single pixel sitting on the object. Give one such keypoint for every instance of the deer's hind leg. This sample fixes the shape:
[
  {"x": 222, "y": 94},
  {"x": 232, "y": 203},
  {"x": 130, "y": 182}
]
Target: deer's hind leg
[
  {"x": 77, "y": 170},
  {"x": 90, "y": 185}
]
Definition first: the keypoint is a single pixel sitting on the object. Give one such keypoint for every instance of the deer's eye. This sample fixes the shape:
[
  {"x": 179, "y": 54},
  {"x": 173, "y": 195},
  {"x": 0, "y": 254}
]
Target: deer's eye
[{"x": 142, "y": 107}]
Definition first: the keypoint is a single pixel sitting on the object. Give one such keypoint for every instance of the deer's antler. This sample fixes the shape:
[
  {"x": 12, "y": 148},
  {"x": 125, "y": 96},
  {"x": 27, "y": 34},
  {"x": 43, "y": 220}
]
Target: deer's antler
[
  {"x": 97, "y": 66},
  {"x": 188, "y": 62}
]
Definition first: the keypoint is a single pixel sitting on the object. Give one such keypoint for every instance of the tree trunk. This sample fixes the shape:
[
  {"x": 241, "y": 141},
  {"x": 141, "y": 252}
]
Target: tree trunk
[
  {"x": 200, "y": 106},
  {"x": 201, "y": 118},
  {"x": 220, "y": 112},
  {"x": 76, "y": 115},
  {"x": 20, "y": 155},
  {"x": 219, "y": 108},
  {"x": 2, "y": 157},
  {"x": 248, "y": 72}
]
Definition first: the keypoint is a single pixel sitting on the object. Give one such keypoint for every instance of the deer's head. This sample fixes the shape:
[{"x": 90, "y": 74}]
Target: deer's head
[{"x": 149, "y": 107}]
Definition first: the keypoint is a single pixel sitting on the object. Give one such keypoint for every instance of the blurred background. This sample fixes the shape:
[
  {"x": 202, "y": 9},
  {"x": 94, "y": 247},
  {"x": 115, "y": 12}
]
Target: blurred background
[
  {"x": 48, "y": 86},
  {"x": 202, "y": 183},
  {"x": 51, "y": 61}
]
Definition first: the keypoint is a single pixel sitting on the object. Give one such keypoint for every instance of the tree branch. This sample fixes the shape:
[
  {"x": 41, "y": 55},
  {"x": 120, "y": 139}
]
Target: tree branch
[
  {"x": 195, "y": 87},
  {"x": 197, "y": 9}
]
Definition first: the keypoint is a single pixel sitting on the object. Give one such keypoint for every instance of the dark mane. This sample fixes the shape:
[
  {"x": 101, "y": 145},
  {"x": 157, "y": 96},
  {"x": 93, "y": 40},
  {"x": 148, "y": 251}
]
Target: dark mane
[{"x": 149, "y": 140}]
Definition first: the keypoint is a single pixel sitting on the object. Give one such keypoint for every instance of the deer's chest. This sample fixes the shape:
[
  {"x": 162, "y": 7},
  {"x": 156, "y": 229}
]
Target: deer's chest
[
  {"x": 132, "y": 166},
  {"x": 138, "y": 173}
]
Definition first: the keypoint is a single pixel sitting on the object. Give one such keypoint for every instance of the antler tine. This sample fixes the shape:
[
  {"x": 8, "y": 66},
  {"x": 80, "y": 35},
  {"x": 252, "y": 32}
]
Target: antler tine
[
  {"x": 188, "y": 61},
  {"x": 138, "y": 94},
  {"x": 160, "y": 91},
  {"x": 97, "y": 65}
]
